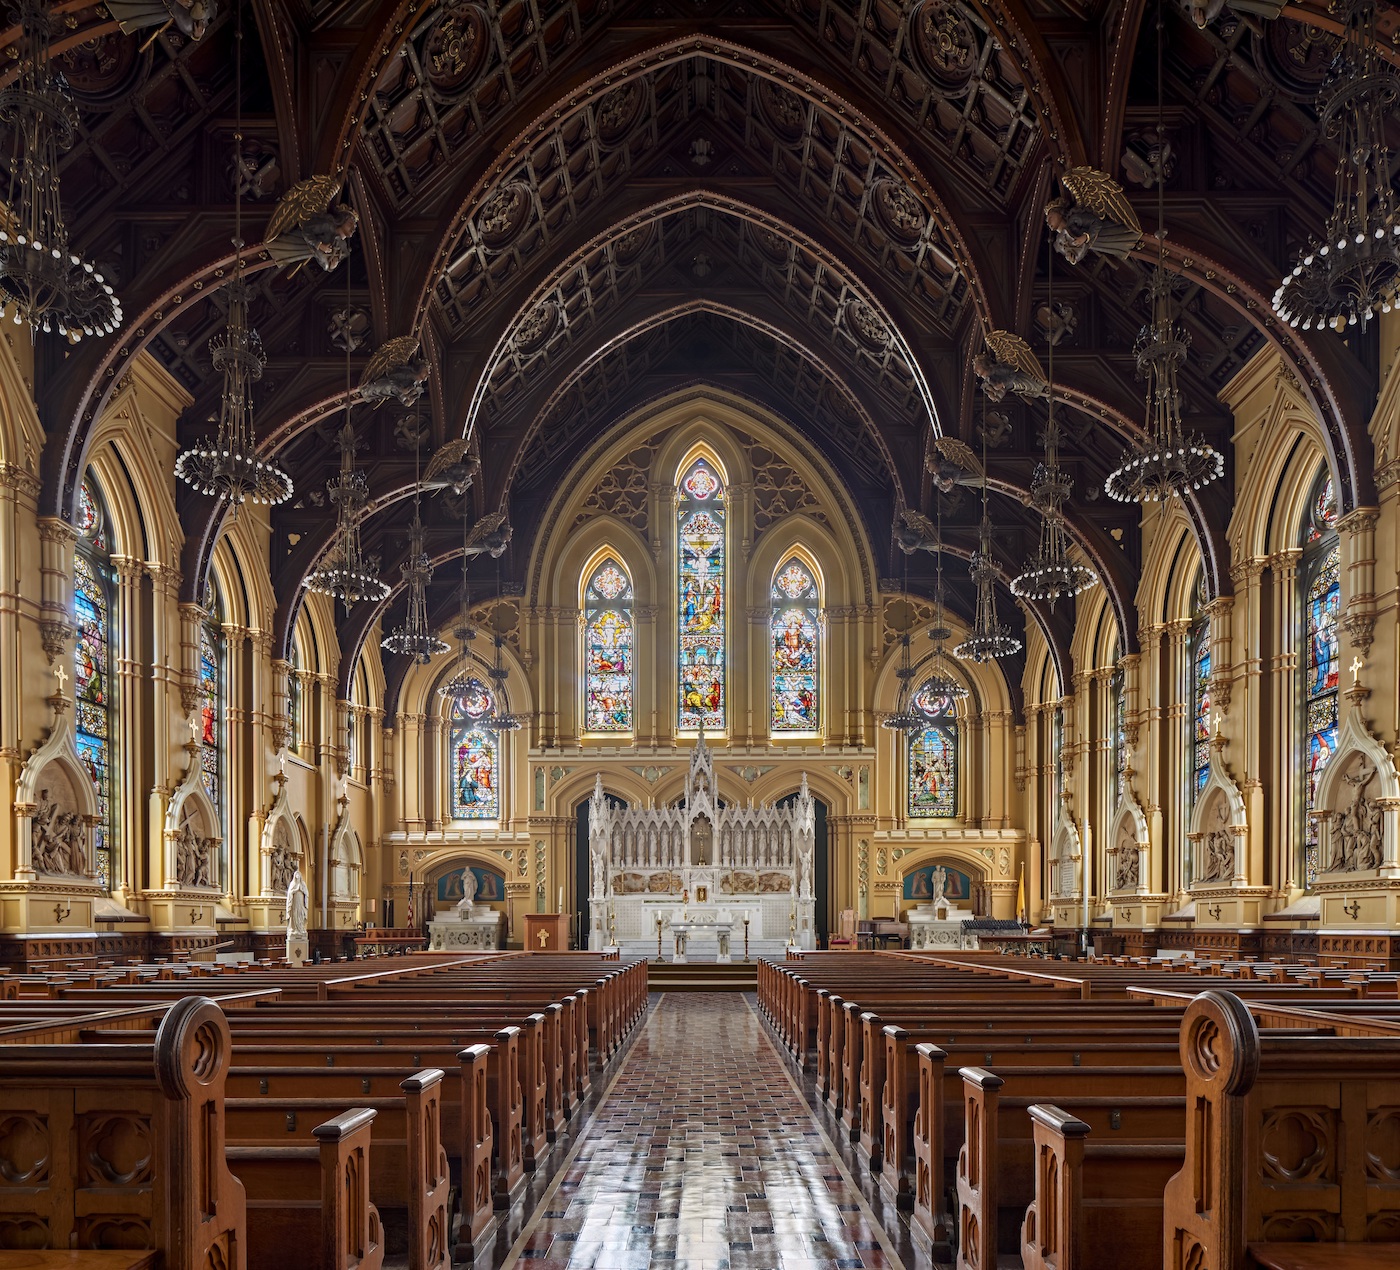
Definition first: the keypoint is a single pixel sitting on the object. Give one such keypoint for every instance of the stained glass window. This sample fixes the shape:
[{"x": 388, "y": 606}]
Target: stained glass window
[
  {"x": 607, "y": 650},
  {"x": 92, "y": 671},
  {"x": 211, "y": 703},
  {"x": 1120, "y": 735},
  {"x": 1200, "y": 694},
  {"x": 933, "y": 758},
  {"x": 1322, "y": 602},
  {"x": 700, "y": 527},
  {"x": 475, "y": 771},
  {"x": 294, "y": 699},
  {"x": 796, "y": 649}
]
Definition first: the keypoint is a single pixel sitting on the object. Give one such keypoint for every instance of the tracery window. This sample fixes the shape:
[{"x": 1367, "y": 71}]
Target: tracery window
[
  {"x": 795, "y": 629},
  {"x": 211, "y": 699},
  {"x": 1200, "y": 691},
  {"x": 933, "y": 757},
  {"x": 1322, "y": 600},
  {"x": 607, "y": 650},
  {"x": 94, "y": 716},
  {"x": 702, "y": 582},
  {"x": 475, "y": 765}
]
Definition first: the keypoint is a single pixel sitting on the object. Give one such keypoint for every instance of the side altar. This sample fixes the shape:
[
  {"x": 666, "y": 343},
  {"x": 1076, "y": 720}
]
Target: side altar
[{"x": 695, "y": 869}]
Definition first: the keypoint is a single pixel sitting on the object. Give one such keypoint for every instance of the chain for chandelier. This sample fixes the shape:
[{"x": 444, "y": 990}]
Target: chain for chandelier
[
  {"x": 413, "y": 638},
  {"x": 500, "y": 719},
  {"x": 348, "y": 575},
  {"x": 228, "y": 466},
  {"x": 905, "y": 718},
  {"x": 1168, "y": 460},
  {"x": 990, "y": 637},
  {"x": 460, "y": 681},
  {"x": 940, "y": 682},
  {"x": 1050, "y": 575},
  {"x": 42, "y": 281},
  {"x": 1353, "y": 270}
]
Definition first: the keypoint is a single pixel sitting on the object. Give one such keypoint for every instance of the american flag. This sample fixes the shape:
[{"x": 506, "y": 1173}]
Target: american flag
[{"x": 410, "y": 901}]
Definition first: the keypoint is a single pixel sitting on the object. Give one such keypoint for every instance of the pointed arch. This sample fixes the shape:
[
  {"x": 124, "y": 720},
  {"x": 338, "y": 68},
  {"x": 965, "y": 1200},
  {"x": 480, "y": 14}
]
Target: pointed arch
[
  {"x": 212, "y": 712},
  {"x": 1201, "y": 665},
  {"x": 95, "y": 718},
  {"x": 608, "y": 633},
  {"x": 702, "y": 589},
  {"x": 795, "y": 645},
  {"x": 473, "y": 755},
  {"x": 1319, "y": 668}
]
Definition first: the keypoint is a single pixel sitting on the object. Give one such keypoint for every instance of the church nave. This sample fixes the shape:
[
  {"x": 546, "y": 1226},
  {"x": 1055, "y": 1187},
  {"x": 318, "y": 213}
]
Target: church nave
[{"x": 703, "y": 1154}]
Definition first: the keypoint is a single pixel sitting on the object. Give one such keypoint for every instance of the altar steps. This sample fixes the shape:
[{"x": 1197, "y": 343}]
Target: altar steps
[{"x": 702, "y": 976}]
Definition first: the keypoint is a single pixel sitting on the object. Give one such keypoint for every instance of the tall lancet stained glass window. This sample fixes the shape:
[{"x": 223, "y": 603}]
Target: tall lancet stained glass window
[
  {"x": 1200, "y": 692},
  {"x": 211, "y": 700},
  {"x": 933, "y": 758},
  {"x": 701, "y": 533},
  {"x": 796, "y": 649},
  {"x": 294, "y": 697},
  {"x": 1322, "y": 603},
  {"x": 92, "y": 669},
  {"x": 607, "y": 650},
  {"x": 474, "y": 757}
]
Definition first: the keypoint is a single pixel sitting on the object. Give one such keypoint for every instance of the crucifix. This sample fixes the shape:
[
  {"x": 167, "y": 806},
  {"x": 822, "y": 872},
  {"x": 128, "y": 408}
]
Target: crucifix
[
  {"x": 61, "y": 675},
  {"x": 1355, "y": 668}
]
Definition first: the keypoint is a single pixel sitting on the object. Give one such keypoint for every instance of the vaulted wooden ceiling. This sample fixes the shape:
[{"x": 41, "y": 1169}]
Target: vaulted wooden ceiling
[{"x": 819, "y": 205}]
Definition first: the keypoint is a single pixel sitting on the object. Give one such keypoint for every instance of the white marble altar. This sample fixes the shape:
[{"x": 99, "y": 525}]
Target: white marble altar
[
  {"x": 939, "y": 924},
  {"x": 700, "y": 857},
  {"x": 451, "y": 932}
]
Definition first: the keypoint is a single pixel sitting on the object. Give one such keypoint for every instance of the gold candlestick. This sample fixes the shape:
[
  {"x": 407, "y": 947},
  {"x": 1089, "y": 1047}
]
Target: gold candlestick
[
  {"x": 659, "y": 957},
  {"x": 746, "y": 938}
]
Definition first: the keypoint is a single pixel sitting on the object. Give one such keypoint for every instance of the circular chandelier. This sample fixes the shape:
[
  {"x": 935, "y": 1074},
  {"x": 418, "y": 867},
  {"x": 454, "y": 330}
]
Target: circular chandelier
[
  {"x": 462, "y": 677},
  {"x": 348, "y": 575},
  {"x": 1353, "y": 270},
  {"x": 990, "y": 638},
  {"x": 413, "y": 638},
  {"x": 42, "y": 281},
  {"x": 1050, "y": 574},
  {"x": 905, "y": 719},
  {"x": 499, "y": 720},
  {"x": 940, "y": 682}
]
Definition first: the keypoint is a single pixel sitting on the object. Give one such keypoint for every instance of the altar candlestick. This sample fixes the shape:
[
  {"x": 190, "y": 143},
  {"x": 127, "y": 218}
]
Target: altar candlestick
[{"x": 561, "y": 899}]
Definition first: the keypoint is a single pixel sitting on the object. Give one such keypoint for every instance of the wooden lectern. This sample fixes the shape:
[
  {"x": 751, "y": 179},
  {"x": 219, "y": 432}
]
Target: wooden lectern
[{"x": 547, "y": 932}]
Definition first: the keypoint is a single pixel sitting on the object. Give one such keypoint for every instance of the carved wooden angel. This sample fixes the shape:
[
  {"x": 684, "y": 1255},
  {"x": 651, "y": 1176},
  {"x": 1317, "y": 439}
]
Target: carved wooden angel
[
  {"x": 1009, "y": 365},
  {"x": 453, "y": 466},
  {"x": 190, "y": 17},
  {"x": 308, "y": 224},
  {"x": 951, "y": 462},
  {"x": 1093, "y": 214},
  {"x": 1204, "y": 12},
  {"x": 489, "y": 536},
  {"x": 395, "y": 371},
  {"x": 915, "y": 533}
]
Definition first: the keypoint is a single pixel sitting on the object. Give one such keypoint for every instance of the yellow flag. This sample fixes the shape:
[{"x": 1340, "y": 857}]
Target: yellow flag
[{"x": 1021, "y": 895}]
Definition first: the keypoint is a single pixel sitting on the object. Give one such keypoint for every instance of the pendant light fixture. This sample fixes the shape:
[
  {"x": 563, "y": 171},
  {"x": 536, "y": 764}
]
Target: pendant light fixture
[
  {"x": 500, "y": 719},
  {"x": 905, "y": 718},
  {"x": 990, "y": 637},
  {"x": 1050, "y": 575},
  {"x": 412, "y": 638},
  {"x": 1168, "y": 460},
  {"x": 228, "y": 465},
  {"x": 940, "y": 682},
  {"x": 463, "y": 678}
]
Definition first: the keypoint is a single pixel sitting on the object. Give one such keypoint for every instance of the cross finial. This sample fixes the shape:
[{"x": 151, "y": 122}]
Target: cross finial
[
  {"x": 1355, "y": 668},
  {"x": 61, "y": 675}
]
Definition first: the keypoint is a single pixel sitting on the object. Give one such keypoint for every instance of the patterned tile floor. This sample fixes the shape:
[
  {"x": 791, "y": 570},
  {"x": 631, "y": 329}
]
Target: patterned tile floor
[{"x": 702, "y": 1154}]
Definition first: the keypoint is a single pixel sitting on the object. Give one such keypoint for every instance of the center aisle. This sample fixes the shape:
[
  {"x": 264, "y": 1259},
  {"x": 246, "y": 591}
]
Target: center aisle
[{"x": 703, "y": 1154}]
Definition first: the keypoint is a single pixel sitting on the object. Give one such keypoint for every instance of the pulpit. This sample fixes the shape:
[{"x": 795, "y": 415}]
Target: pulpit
[{"x": 547, "y": 932}]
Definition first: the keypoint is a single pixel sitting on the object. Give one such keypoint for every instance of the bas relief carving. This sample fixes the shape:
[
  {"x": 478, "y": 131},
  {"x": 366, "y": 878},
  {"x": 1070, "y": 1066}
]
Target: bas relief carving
[
  {"x": 1217, "y": 863},
  {"x": 58, "y": 842},
  {"x": 1357, "y": 830},
  {"x": 194, "y": 856},
  {"x": 1128, "y": 865},
  {"x": 284, "y": 858}
]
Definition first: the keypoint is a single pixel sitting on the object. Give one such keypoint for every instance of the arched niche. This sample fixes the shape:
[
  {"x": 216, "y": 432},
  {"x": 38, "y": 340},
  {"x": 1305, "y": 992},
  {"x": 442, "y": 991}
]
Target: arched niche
[
  {"x": 1129, "y": 844},
  {"x": 56, "y": 810},
  {"x": 280, "y": 850},
  {"x": 964, "y": 880},
  {"x": 193, "y": 841},
  {"x": 1219, "y": 825},
  {"x": 445, "y": 882},
  {"x": 1357, "y": 805},
  {"x": 1066, "y": 857}
]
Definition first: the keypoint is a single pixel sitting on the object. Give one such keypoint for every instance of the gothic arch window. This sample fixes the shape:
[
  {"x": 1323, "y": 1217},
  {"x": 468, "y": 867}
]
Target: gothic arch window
[
  {"x": 1120, "y": 734},
  {"x": 94, "y": 715},
  {"x": 294, "y": 697},
  {"x": 795, "y": 649},
  {"x": 607, "y": 649},
  {"x": 933, "y": 758},
  {"x": 1199, "y": 645},
  {"x": 474, "y": 757},
  {"x": 702, "y": 583},
  {"x": 1321, "y": 594},
  {"x": 211, "y": 699}
]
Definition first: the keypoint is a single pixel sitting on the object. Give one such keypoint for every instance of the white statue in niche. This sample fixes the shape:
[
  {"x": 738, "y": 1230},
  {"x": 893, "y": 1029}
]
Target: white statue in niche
[
  {"x": 295, "y": 906},
  {"x": 466, "y": 906},
  {"x": 940, "y": 885}
]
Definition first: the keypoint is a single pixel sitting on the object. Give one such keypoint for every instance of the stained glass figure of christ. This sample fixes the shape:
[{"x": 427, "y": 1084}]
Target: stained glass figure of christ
[
  {"x": 475, "y": 778},
  {"x": 933, "y": 758},
  {"x": 700, "y": 532},
  {"x": 796, "y": 650},
  {"x": 607, "y": 650}
]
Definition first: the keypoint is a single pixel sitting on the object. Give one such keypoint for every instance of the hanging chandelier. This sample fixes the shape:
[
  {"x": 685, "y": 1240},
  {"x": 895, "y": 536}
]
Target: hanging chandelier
[
  {"x": 462, "y": 679},
  {"x": 413, "y": 638},
  {"x": 1353, "y": 270},
  {"x": 905, "y": 718},
  {"x": 990, "y": 638},
  {"x": 348, "y": 575},
  {"x": 499, "y": 720},
  {"x": 1050, "y": 575},
  {"x": 228, "y": 466},
  {"x": 940, "y": 682},
  {"x": 1168, "y": 460},
  {"x": 42, "y": 281}
]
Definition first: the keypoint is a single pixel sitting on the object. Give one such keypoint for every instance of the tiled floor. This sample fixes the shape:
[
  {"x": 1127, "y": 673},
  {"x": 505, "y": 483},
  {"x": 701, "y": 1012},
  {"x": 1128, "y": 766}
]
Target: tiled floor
[{"x": 702, "y": 1155}]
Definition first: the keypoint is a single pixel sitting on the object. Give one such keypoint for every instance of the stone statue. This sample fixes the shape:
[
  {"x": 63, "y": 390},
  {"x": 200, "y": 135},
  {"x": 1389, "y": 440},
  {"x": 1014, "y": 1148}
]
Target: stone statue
[
  {"x": 940, "y": 885},
  {"x": 1357, "y": 831},
  {"x": 1219, "y": 846},
  {"x": 57, "y": 838},
  {"x": 295, "y": 906},
  {"x": 282, "y": 865},
  {"x": 1128, "y": 865},
  {"x": 193, "y": 857},
  {"x": 466, "y": 906}
]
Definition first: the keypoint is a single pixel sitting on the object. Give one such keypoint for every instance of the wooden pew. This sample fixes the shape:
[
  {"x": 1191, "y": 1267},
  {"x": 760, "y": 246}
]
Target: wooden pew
[
  {"x": 126, "y": 1145},
  {"x": 311, "y": 1203}
]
